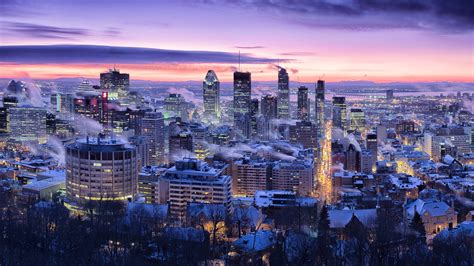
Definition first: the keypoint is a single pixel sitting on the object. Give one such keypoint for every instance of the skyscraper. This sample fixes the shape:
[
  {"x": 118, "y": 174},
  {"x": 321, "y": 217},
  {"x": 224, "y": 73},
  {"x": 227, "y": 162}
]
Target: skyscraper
[
  {"x": 153, "y": 129},
  {"x": 253, "y": 117},
  {"x": 117, "y": 84},
  {"x": 283, "y": 94},
  {"x": 211, "y": 96},
  {"x": 101, "y": 169},
  {"x": 319, "y": 107},
  {"x": 268, "y": 107},
  {"x": 357, "y": 120},
  {"x": 303, "y": 104},
  {"x": 339, "y": 113},
  {"x": 242, "y": 99}
]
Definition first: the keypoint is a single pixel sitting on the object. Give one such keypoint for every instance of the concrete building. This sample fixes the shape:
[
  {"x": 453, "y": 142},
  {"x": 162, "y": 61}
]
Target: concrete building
[
  {"x": 249, "y": 176},
  {"x": 304, "y": 133},
  {"x": 153, "y": 129},
  {"x": 101, "y": 168},
  {"x": 191, "y": 180},
  {"x": 296, "y": 176}
]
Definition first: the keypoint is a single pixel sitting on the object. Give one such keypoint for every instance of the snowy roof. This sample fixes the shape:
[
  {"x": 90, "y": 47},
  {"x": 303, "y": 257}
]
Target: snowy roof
[
  {"x": 434, "y": 208},
  {"x": 340, "y": 218},
  {"x": 263, "y": 240},
  {"x": 51, "y": 174},
  {"x": 466, "y": 227},
  {"x": 249, "y": 214},
  {"x": 46, "y": 183}
]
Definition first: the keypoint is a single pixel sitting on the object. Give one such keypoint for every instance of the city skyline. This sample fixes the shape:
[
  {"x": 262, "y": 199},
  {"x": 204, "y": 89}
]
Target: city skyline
[{"x": 416, "y": 41}]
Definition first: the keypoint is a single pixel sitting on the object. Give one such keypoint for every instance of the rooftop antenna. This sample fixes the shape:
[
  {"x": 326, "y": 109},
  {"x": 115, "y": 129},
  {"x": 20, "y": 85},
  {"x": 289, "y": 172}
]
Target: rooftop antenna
[{"x": 239, "y": 60}]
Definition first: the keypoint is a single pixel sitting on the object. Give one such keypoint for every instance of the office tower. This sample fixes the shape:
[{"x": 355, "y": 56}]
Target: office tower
[
  {"x": 357, "y": 120},
  {"x": 304, "y": 133},
  {"x": 62, "y": 102},
  {"x": 153, "y": 188},
  {"x": 303, "y": 104},
  {"x": 319, "y": 108},
  {"x": 352, "y": 156},
  {"x": 222, "y": 135},
  {"x": 381, "y": 133},
  {"x": 264, "y": 128},
  {"x": 389, "y": 95},
  {"x": 180, "y": 143},
  {"x": 8, "y": 102},
  {"x": 88, "y": 106},
  {"x": 116, "y": 84},
  {"x": 191, "y": 180},
  {"x": 366, "y": 161},
  {"x": 153, "y": 129},
  {"x": 200, "y": 147},
  {"x": 27, "y": 123},
  {"x": 175, "y": 106},
  {"x": 101, "y": 169},
  {"x": 283, "y": 94},
  {"x": 249, "y": 176},
  {"x": 211, "y": 96},
  {"x": 339, "y": 113},
  {"x": 253, "y": 117},
  {"x": 296, "y": 176},
  {"x": 459, "y": 137},
  {"x": 141, "y": 144},
  {"x": 242, "y": 103},
  {"x": 372, "y": 146},
  {"x": 268, "y": 107}
]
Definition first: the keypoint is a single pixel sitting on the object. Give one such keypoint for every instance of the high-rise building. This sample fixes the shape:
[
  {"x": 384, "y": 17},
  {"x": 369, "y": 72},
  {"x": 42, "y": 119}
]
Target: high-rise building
[
  {"x": 27, "y": 123},
  {"x": 319, "y": 108},
  {"x": 191, "y": 180},
  {"x": 101, "y": 169},
  {"x": 357, "y": 120},
  {"x": 175, "y": 105},
  {"x": 389, "y": 95},
  {"x": 200, "y": 147},
  {"x": 283, "y": 94},
  {"x": 339, "y": 113},
  {"x": 296, "y": 176},
  {"x": 372, "y": 146},
  {"x": 153, "y": 129},
  {"x": 268, "y": 107},
  {"x": 242, "y": 103},
  {"x": 253, "y": 117},
  {"x": 249, "y": 176},
  {"x": 211, "y": 96},
  {"x": 180, "y": 143},
  {"x": 304, "y": 133},
  {"x": 116, "y": 84},
  {"x": 303, "y": 103}
]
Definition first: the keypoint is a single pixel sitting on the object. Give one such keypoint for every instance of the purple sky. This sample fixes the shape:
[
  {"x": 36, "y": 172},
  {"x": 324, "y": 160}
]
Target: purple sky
[{"x": 425, "y": 40}]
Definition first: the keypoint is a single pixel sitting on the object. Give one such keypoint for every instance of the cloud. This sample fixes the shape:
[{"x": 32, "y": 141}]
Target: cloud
[
  {"x": 42, "y": 31},
  {"x": 76, "y": 54},
  {"x": 437, "y": 15},
  {"x": 250, "y": 47}
]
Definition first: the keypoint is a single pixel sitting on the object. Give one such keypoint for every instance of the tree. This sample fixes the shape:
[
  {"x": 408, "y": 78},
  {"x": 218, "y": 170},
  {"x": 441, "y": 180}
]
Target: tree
[
  {"x": 324, "y": 241},
  {"x": 418, "y": 226}
]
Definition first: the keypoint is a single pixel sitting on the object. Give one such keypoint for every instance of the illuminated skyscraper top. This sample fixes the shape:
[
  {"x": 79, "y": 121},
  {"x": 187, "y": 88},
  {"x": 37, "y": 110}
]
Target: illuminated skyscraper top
[
  {"x": 211, "y": 96},
  {"x": 242, "y": 99},
  {"x": 320, "y": 97},
  {"x": 283, "y": 94},
  {"x": 116, "y": 83}
]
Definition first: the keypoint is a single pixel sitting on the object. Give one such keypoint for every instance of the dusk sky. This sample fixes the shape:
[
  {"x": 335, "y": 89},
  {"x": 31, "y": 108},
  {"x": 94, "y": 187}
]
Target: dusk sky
[{"x": 425, "y": 40}]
